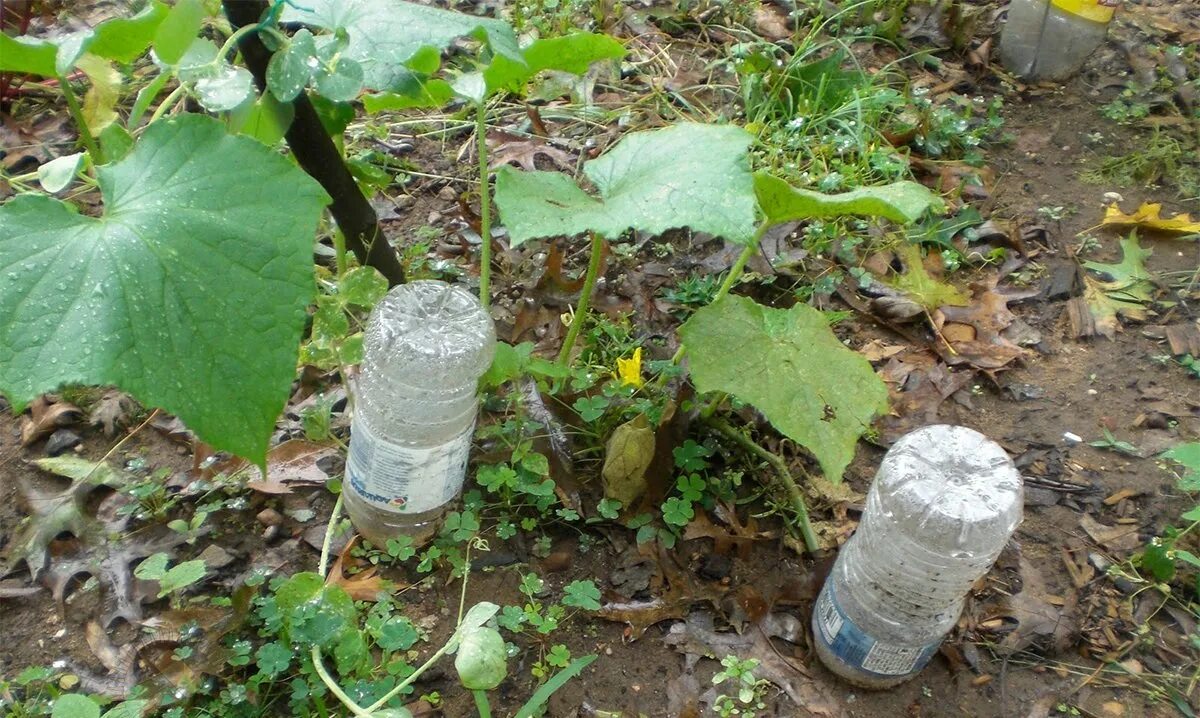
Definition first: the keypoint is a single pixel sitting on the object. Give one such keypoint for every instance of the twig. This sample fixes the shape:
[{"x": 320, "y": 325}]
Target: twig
[
  {"x": 785, "y": 475},
  {"x": 485, "y": 207}
]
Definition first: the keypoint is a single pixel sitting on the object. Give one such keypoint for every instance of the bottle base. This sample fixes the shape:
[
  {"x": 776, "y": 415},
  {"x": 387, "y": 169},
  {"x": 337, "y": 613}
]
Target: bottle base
[
  {"x": 851, "y": 675},
  {"x": 377, "y": 525}
]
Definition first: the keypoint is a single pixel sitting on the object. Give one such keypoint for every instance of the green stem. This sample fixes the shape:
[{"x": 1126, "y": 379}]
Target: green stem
[
  {"x": 339, "y": 249},
  {"x": 167, "y": 103},
  {"x": 785, "y": 476},
  {"x": 485, "y": 207},
  {"x": 585, "y": 300},
  {"x": 481, "y": 703},
  {"x": 322, "y": 565},
  {"x": 229, "y": 43},
  {"x": 85, "y": 135}
]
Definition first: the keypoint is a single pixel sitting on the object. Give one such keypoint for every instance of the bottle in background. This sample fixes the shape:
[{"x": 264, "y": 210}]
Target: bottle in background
[
  {"x": 1050, "y": 39},
  {"x": 425, "y": 347},
  {"x": 945, "y": 501}
]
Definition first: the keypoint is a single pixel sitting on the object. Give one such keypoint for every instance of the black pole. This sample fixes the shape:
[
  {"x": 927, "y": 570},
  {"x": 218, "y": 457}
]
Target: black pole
[{"x": 315, "y": 152}]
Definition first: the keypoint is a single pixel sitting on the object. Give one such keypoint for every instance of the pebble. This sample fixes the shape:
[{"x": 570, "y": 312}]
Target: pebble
[
  {"x": 269, "y": 517},
  {"x": 270, "y": 533},
  {"x": 61, "y": 441},
  {"x": 1072, "y": 438},
  {"x": 215, "y": 557}
]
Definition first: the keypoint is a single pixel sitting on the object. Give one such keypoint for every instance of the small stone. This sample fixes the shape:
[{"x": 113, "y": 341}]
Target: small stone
[
  {"x": 1072, "y": 438},
  {"x": 61, "y": 441},
  {"x": 270, "y": 533},
  {"x": 269, "y": 517},
  {"x": 716, "y": 567},
  {"x": 216, "y": 557},
  {"x": 448, "y": 193}
]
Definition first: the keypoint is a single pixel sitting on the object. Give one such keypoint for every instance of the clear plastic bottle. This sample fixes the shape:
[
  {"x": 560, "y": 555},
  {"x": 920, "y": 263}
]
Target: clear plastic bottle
[
  {"x": 944, "y": 502},
  {"x": 1050, "y": 39},
  {"x": 426, "y": 345}
]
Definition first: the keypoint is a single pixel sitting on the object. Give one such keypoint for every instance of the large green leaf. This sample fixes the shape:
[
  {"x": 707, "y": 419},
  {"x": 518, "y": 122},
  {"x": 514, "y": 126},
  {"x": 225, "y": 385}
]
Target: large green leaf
[
  {"x": 792, "y": 368},
  {"x": 27, "y": 55},
  {"x": 687, "y": 175},
  {"x": 384, "y": 34},
  {"x": 189, "y": 292},
  {"x": 572, "y": 53},
  {"x": 120, "y": 39},
  {"x": 900, "y": 201}
]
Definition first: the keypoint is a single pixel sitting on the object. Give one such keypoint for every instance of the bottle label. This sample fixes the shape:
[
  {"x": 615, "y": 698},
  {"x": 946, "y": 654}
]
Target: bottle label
[
  {"x": 1094, "y": 10},
  {"x": 856, "y": 649},
  {"x": 403, "y": 479}
]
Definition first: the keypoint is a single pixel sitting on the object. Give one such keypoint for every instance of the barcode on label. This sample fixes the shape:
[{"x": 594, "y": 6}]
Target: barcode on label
[
  {"x": 891, "y": 660},
  {"x": 829, "y": 618}
]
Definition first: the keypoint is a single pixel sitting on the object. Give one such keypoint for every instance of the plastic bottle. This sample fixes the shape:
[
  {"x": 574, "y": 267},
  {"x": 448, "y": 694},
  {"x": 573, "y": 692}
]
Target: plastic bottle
[
  {"x": 426, "y": 345},
  {"x": 1050, "y": 39},
  {"x": 942, "y": 506}
]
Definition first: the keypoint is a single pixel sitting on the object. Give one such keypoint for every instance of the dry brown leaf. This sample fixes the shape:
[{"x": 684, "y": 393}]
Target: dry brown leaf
[
  {"x": 682, "y": 591},
  {"x": 988, "y": 315},
  {"x": 508, "y": 148},
  {"x": 696, "y": 637},
  {"x": 1123, "y": 537},
  {"x": 45, "y": 417},
  {"x": 113, "y": 410},
  {"x": 366, "y": 585},
  {"x": 290, "y": 465}
]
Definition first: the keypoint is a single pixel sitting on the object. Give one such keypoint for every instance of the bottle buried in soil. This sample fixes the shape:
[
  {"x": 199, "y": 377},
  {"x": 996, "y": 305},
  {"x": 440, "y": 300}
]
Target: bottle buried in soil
[
  {"x": 426, "y": 345},
  {"x": 944, "y": 502},
  {"x": 1050, "y": 39}
]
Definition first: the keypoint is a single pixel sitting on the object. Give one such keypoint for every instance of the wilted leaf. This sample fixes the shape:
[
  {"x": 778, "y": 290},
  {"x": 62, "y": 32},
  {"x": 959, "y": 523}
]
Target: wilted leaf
[
  {"x": 45, "y": 417},
  {"x": 627, "y": 455},
  {"x": 104, "y": 89},
  {"x": 984, "y": 319},
  {"x": 1037, "y": 619},
  {"x": 791, "y": 367},
  {"x": 688, "y": 175},
  {"x": 1150, "y": 215},
  {"x": 1122, "y": 537},
  {"x": 923, "y": 289},
  {"x": 135, "y": 303},
  {"x": 900, "y": 202}
]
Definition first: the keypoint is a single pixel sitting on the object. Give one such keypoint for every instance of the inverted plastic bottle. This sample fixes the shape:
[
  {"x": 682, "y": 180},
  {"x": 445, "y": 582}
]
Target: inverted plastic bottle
[
  {"x": 426, "y": 345},
  {"x": 1050, "y": 39},
  {"x": 944, "y": 502}
]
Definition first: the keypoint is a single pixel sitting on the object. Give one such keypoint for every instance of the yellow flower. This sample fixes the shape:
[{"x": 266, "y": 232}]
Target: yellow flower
[{"x": 629, "y": 371}]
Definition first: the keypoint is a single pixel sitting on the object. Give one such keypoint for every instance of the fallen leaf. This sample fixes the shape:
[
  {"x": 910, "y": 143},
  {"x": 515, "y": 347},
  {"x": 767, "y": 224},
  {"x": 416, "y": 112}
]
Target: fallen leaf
[
  {"x": 1036, "y": 618},
  {"x": 366, "y": 585},
  {"x": 113, "y": 410},
  {"x": 696, "y": 637},
  {"x": 290, "y": 465},
  {"x": 44, "y": 417},
  {"x": 523, "y": 151},
  {"x": 876, "y": 350},
  {"x": 681, "y": 593},
  {"x": 918, "y": 285},
  {"x": 627, "y": 455},
  {"x": 1150, "y": 215},
  {"x": 1126, "y": 291},
  {"x": 987, "y": 347},
  {"x": 1123, "y": 537}
]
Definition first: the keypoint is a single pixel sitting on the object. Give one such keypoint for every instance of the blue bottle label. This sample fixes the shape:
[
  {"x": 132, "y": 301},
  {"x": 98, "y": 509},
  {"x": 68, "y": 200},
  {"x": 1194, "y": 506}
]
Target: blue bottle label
[{"x": 857, "y": 650}]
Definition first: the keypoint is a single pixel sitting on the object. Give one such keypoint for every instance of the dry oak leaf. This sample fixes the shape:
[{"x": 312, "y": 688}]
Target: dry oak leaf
[
  {"x": 523, "y": 151},
  {"x": 1149, "y": 215},
  {"x": 366, "y": 585},
  {"x": 45, "y": 417}
]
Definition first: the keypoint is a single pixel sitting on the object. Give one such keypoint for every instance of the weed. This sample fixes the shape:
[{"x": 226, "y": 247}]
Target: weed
[
  {"x": 1163, "y": 158},
  {"x": 749, "y": 691}
]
